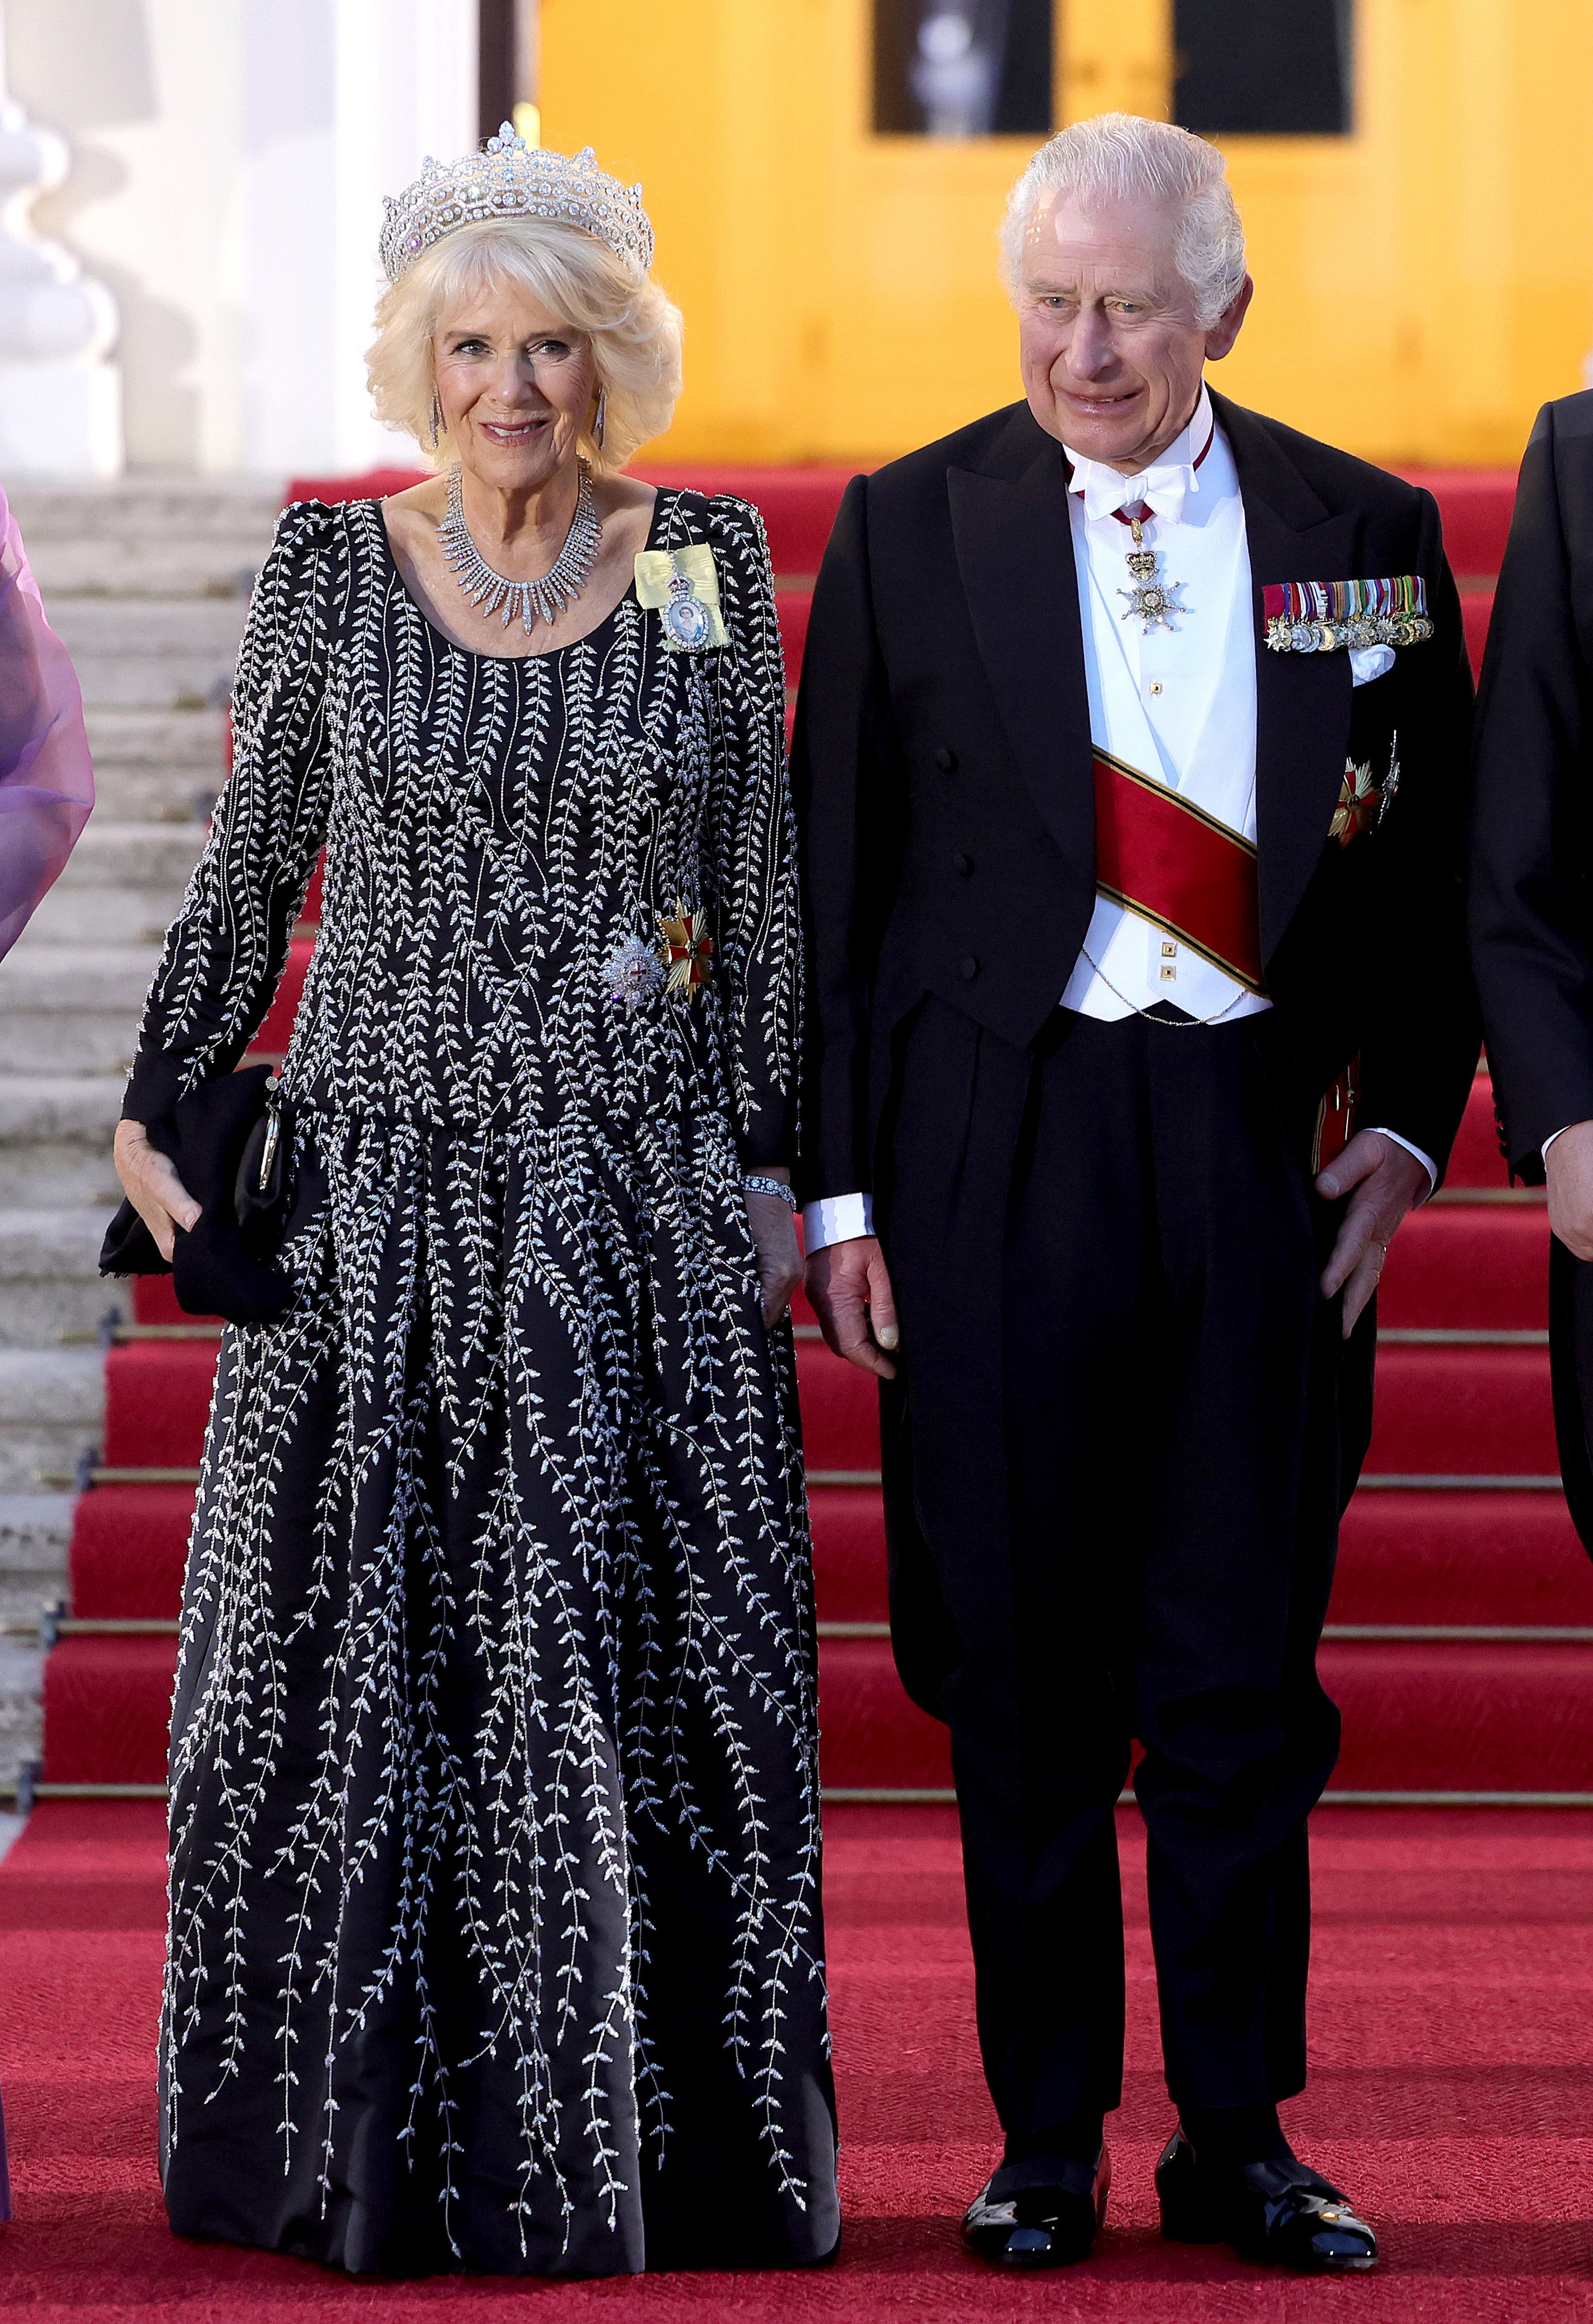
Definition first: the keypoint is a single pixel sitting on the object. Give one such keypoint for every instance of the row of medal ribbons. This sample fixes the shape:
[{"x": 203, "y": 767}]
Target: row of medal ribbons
[{"x": 1325, "y": 616}]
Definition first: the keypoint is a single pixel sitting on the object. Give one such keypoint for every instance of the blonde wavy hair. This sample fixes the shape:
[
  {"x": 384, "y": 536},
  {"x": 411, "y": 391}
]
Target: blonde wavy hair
[{"x": 635, "y": 333}]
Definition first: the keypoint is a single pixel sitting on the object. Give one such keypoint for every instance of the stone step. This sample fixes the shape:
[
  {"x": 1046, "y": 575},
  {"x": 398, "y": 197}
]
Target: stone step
[
  {"x": 157, "y": 766},
  {"x": 54, "y": 978},
  {"x": 64, "y": 1110},
  {"x": 172, "y": 537},
  {"x": 121, "y": 854},
  {"x": 42, "y": 1177},
  {"x": 79, "y": 915},
  {"x": 22, "y": 1672},
  {"x": 156, "y": 653},
  {"x": 71, "y": 1009},
  {"x": 35, "y": 1537},
  {"x": 183, "y": 565},
  {"x": 51, "y": 1405},
  {"x": 123, "y": 884},
  {"x": 50, "y": 1279},
  {"x": 134, "y": 507},
  {"x": 191, "y": 740},
  {"x": 55, "y": 1141}
]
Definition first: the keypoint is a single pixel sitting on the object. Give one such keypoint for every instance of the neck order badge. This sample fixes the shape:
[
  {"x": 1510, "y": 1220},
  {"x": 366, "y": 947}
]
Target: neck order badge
[{"x": 1154, "y": 598}]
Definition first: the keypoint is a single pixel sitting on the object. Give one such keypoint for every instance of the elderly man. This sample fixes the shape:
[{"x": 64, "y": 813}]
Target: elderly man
[{"x": 1130, "y": 759}]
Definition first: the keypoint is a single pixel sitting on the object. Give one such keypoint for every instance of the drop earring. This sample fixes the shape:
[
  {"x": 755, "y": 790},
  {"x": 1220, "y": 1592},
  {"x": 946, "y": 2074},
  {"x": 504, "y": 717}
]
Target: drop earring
[
  {"x": 599, "y": 416},
  {"x": 437, "y": 421}
]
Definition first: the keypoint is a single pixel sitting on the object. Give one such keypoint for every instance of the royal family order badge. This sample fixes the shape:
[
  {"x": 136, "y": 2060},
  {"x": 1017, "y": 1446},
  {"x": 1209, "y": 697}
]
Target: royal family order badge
[{"x": 681, "y": 585}]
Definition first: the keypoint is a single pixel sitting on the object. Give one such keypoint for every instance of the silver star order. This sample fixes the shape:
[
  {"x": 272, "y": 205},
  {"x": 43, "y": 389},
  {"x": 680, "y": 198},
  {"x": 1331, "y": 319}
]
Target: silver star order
[{"x": 1155, "y": 602}]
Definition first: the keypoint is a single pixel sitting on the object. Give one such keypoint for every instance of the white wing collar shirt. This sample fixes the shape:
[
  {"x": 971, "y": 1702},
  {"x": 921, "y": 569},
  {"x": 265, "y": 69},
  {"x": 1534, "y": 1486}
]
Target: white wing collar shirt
[{"x": 1177, "y": 704}]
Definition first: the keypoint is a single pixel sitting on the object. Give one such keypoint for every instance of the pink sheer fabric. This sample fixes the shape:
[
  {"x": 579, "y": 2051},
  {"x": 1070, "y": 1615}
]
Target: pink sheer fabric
[{"x": 46, "y": 774}]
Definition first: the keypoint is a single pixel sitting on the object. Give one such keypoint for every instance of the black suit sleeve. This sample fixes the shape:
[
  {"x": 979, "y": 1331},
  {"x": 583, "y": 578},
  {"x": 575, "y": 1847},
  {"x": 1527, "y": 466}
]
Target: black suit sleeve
[
  {"x": 1530, "y": 856},
  {"x": 848, "y": 782},
  {"x": 1418, "y": 1059}
]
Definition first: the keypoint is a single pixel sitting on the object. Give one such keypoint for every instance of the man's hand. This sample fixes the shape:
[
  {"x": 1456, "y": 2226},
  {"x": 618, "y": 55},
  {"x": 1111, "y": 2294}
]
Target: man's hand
[
  {"x": 1388, "y": 1180},
  {"x": 1569, "y": 1164},
  {"x": 849, "y": 1289}
]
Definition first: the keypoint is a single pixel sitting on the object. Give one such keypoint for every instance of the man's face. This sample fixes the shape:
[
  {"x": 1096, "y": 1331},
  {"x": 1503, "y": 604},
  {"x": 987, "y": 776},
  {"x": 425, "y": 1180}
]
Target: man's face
[{"x": 1111, "y": 350}]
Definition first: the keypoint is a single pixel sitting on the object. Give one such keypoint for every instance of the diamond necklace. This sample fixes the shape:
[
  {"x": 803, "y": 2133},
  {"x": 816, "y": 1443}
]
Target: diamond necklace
[{"x": 545, "y": 599}]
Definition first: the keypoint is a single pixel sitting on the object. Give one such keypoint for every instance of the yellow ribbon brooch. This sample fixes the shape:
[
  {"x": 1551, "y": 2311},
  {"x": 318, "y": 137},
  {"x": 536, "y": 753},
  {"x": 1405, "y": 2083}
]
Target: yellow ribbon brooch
[{"x": 682, "y": 586}]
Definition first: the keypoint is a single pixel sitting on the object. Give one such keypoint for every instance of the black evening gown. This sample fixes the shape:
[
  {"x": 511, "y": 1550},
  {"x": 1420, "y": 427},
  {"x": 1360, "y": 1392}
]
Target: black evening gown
[{"x": 495, "y": 1935}]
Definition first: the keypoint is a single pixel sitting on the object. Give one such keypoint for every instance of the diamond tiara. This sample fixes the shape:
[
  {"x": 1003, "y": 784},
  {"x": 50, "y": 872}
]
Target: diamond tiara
[{"x": 509, "y": 179}]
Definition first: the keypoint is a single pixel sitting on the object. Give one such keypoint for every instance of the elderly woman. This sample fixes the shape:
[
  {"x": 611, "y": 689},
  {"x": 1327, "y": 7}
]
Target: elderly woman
[{"x": 495, "y": 1935}]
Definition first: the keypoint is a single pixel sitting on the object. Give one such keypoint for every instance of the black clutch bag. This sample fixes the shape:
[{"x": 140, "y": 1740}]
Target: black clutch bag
[{"x": 229, "y": 1140}]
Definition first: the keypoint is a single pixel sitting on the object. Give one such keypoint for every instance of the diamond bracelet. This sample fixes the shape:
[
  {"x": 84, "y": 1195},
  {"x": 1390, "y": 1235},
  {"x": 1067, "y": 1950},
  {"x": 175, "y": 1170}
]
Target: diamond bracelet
[{"x": 758, "y": 1185}]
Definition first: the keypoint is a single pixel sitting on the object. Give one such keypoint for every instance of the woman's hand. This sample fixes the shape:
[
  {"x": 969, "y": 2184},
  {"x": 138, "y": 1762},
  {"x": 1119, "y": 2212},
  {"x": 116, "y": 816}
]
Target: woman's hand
[
  {"x": 779, "y": 1255},
  {"x": 152, "y": 1187}
]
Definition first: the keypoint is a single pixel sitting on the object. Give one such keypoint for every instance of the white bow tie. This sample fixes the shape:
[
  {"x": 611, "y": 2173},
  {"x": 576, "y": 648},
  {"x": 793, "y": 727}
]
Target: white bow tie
[{"x": 1162, "y": 489}]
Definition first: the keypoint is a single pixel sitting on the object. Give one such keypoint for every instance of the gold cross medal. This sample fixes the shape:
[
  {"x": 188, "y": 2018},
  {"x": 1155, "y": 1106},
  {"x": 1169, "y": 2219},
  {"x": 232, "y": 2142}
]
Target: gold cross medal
[
  {"x": 1152, "y": 598},
  {"x": 685, "y": 950}
]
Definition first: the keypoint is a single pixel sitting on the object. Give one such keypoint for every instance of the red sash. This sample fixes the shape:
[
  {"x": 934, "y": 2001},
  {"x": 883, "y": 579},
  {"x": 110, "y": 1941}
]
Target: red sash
[{"x": 1176, "y": 865}]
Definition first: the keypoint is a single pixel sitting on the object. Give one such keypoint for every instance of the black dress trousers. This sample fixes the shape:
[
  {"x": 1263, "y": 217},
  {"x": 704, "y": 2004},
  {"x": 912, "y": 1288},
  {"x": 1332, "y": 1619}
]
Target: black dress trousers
[{"x": 1112, "y": 1472}]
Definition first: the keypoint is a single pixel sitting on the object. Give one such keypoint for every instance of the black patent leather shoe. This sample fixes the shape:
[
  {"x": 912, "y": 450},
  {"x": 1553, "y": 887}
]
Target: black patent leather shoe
[
  {"x": 1040, "y": 2214},
  {"x": 1275, "y": 2211}
]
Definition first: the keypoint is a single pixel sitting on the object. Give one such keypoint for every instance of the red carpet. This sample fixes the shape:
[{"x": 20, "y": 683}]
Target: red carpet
[{"x": 1452, "y": 2091}]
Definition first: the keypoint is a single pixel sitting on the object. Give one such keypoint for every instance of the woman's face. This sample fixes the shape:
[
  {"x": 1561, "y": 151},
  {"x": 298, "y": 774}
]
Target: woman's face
[{"x": 516, "y": 386}]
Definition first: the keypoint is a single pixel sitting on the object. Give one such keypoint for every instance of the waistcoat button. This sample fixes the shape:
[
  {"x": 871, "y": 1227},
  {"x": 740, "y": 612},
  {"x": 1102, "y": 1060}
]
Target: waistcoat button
[
  {"x": 968, "y": 968},
  {"x": 963, "y": 864},
  {"x": 946, "y": 761}
]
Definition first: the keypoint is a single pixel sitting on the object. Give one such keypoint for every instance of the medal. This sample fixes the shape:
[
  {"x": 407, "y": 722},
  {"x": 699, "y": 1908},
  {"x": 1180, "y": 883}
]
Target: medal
[
  {"x": 1360, "y": 804},
  {"x": 1391, "y": 780},
  {"x": 1328, "y": 616},
  {"x": 686, "y": 620},
  {"x": 1152, "y": 599},
  {"x": 685, "y": 952},
  {"x": 682, "y": 588}
]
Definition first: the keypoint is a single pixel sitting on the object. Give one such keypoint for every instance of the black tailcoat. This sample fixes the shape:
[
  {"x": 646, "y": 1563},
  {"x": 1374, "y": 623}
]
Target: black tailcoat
[
  {"x": 1103, "y": 1239},
  {"x": 1531, "y": 865},
  {"x": 1125, "y": 1423}
]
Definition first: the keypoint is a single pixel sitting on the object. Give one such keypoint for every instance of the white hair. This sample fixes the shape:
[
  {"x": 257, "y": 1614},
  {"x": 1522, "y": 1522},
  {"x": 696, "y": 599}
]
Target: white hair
[
  {"x": 634, "y": 331},
  {"x": 1121, "y": 157}
]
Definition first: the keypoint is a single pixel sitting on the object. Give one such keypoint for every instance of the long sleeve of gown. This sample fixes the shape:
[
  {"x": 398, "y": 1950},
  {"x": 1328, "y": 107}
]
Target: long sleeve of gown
[
  {"x": 225, "y": 951},
  {"x": 46, "y": 774},
  {"x": 752, "y": 839}
]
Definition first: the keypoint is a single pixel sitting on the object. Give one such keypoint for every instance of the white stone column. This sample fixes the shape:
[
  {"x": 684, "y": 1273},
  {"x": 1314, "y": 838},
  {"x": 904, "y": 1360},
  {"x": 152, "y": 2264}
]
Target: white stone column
[
  {"x": 341, "y": 101},
  {"x": 60, "y": 401}
]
